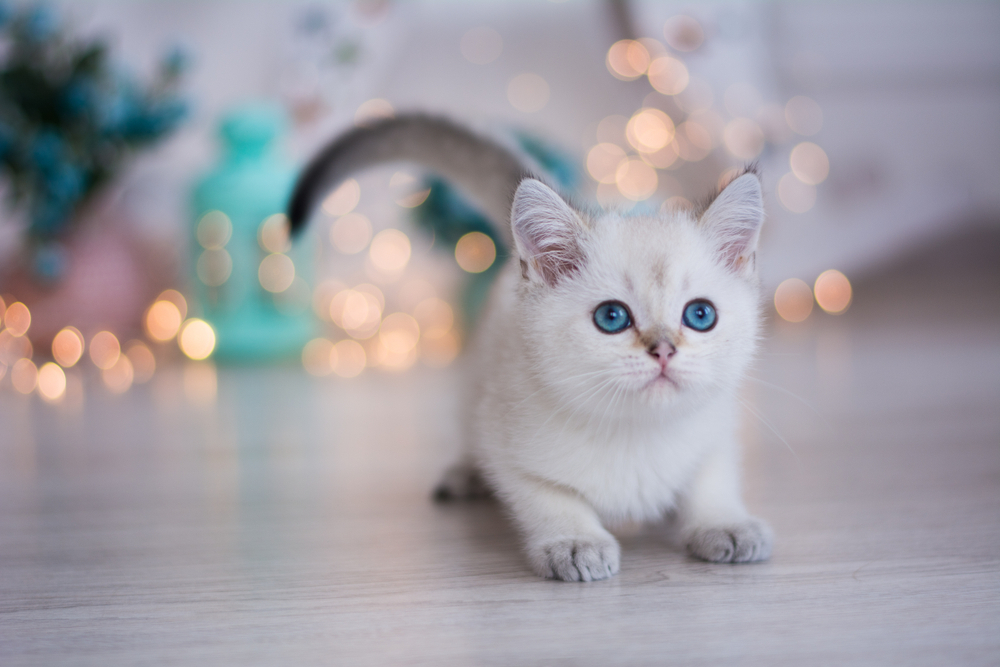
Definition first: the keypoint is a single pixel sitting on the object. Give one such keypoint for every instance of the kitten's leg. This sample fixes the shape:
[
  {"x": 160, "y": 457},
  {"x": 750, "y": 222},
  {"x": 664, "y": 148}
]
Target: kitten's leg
[
  {"x": 564, "y": 536},
  {"x": 462, "y": 481},
  {"x": 714, "y": 523}
]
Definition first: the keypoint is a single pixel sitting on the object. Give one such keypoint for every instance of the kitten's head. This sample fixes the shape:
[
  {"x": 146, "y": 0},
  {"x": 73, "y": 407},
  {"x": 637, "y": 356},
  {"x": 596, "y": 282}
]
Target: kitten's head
[{"x": 652, "y": 311}]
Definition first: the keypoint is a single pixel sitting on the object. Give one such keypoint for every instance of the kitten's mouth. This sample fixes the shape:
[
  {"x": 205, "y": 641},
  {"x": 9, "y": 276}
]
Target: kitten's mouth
[{"x": 663, "y": 379}]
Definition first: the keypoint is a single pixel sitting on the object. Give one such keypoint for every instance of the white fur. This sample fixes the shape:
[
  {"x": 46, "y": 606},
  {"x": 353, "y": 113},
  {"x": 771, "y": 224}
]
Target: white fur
[{"x": 576, "y": 429}]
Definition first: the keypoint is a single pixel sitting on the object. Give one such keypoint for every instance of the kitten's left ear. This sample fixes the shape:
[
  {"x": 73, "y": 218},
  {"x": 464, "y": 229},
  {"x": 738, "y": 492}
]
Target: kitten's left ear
[{"x": 733, "y": 221}]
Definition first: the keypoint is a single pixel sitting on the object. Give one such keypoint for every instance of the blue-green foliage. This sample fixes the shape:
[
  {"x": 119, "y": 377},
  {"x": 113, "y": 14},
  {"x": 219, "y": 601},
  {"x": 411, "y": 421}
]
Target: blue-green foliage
[{"x": 69, "y": 117}]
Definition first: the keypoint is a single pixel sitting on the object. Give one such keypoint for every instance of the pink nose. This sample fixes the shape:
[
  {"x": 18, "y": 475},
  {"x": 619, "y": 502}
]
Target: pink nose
[{"x": 662, "y": 352}]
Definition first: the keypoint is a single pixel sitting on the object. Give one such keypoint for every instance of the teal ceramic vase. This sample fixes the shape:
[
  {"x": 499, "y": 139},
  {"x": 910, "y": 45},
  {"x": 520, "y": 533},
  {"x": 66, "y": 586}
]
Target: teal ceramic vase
[{"x": 250, "y": 283}]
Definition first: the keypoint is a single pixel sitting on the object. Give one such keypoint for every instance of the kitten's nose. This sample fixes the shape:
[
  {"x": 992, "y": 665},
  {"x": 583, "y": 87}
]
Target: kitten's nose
[{"x": 662, "y": 352}]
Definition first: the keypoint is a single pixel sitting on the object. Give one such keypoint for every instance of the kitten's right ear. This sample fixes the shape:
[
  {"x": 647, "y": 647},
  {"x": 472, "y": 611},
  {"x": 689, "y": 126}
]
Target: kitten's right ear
[
  {"x": 733, "y": 221},
  {"x": 546, "y": 232}
]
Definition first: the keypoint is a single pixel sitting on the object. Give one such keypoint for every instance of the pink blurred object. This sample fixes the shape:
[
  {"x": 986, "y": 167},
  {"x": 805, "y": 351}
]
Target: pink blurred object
[{"x": 111, "y": 276}]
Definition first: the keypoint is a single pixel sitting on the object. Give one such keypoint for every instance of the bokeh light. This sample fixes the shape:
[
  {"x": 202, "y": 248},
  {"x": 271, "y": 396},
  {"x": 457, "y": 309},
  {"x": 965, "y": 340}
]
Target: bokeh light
[
  {"x": 17, "y": 319},
  {"x": 3, "y": 310},
  {"x": 771, "y": 118},
  {"x": 319, "y": 357},
  {"x": 214, "y": 230},
  {"x": 743, "y": 138},
  {"x": 358, "y": 311},
  {"x": 663, "y": 158},
  {"x": 276, "y": 272},
  {"x": 683, "y": 32},
  {"x": 163, "y": 320},
  {"x": 699, "y": 131},
  {"x": 794, "y": 195},
  {"x": 402, "y": 185},
  {"x": 809, "y": 163},
  {"x": 343, "y": 200},
  {"x": 833, "y": 291},
  {"x": 24, "y": 375},
  {"x": 143, "y": 361},
  {"x": 649, "y": 130},
  {"x": 14, "y": 347},
  {"x": 373, "y": 110},
  {"x": 399, "y": 333},
  {"x": 804, "y": 115},
  {"x": 475, "y": 252},
  {"x": 627, "y": 59},
  {"x": 390, "y": 250},
  {"x": 51, "y": 382},
  {"x": 273, "y": 235},
  {"x": 528, "y": 92},
  {"x": 104, "y": 349},
  {"x": 636, "y": 180},
  {"x": 196, "y": 339},
  {"x": 668, "y": 75},
  {"x": 603, "y": 160},
  {"x": 696, "y": 148},
  {"x": 67, "y": 346},
  {"x": 351, "y": 233},
  {"x": 440, "y": 349},
  {"x": 322, "y": 297},
  {"x": 118, "y": 379},
  {"x": 481, "y": 46},
  {"x": 611, "y": 129},
  {"x": 214, "y": 267},
  {"x": 351, "y": 358},
  {"x": 793, "y": 299},
  {"x": 435, "y": 316},
  {"x": 176, "y": 298}
]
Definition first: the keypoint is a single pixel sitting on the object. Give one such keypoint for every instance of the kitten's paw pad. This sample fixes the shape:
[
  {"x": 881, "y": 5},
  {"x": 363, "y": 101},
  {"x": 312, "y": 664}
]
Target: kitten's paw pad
[
  {"x": 577, "y": 559},
  {"x": 744, "y": 542},
  {"x": 461, "y": 482}
]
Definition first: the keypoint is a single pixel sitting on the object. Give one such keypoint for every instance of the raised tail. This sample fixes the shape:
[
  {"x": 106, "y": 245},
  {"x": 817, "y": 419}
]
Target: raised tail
[{"x": 482, "y": 168}]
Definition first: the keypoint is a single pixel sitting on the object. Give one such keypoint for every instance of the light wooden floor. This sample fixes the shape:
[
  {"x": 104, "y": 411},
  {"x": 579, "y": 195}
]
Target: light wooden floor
[{"x": 289, "y": 523}]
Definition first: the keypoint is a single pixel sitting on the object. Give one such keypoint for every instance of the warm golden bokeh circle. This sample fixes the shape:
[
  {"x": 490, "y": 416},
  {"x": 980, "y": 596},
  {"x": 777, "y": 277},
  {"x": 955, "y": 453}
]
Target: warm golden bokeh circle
[
  {"x": 793, "y": 299},
  {"x": 51, "y": 381},
  {"x": 104, "y": 349},
  {"x": 197, "y": 339},
  {"x": 67, "y": 346},
  {"x": 833, "y": 291},
  {"x": 475, "y": 252},
  {"x": 163, "y": 320}
]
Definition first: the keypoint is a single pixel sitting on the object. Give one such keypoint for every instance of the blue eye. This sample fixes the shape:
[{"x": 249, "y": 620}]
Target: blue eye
[
  {"x": 612, "y": 317},
  {"x": 700, "y": 315}
]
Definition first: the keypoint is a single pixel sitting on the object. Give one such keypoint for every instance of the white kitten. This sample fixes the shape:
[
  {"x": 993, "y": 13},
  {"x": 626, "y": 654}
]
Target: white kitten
[{"x": 605, "y": 370}]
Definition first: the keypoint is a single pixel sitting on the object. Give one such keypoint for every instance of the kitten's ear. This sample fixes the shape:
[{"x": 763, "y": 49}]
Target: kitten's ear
[
  {"x": 546, "y": 232},
  {"x": 733, "y": 221}
]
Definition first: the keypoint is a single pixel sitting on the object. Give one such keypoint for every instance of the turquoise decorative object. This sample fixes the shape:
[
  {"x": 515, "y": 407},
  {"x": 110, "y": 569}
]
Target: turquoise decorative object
[{"x": 250, "y": 283}]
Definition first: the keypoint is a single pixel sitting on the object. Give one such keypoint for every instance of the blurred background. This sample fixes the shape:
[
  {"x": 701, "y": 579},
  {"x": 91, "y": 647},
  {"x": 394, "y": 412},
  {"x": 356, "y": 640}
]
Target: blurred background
[
  {"x": 147, "y": 149},
  {"x": 214, "y": 442}
]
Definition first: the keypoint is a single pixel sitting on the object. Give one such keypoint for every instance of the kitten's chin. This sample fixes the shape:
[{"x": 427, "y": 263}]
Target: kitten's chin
[{"x": 661, "y": 388}]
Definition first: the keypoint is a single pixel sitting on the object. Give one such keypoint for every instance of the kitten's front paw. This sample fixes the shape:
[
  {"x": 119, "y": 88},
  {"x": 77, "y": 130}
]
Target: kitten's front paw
[
  {"x": 576, "y": 559},
  {"x": 743, "y": 542}
]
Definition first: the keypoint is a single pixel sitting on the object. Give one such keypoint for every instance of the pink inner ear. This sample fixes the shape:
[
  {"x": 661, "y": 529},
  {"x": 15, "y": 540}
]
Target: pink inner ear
[{"x": 546, "y": 231}]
